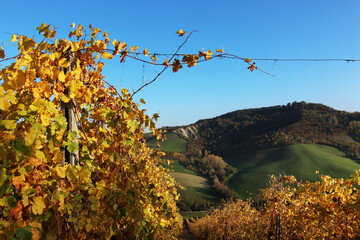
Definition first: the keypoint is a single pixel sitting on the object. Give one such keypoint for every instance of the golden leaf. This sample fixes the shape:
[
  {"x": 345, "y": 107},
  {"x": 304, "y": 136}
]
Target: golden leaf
[
  {"x": 21, "y": 62},
  {"x": 64, "y": 63},
  {"x": 20, "y": 79},
  {"x": 74, "y": 46},
  {"x": 252, "y": 67},
  {"x": 38, "y": 205},
  {"x": 133, "y": 48},
  {"x": 27, "y": 44},
  {"x": 43, "y": 27},
  {"x": 45, "y": 89},
  {"x": 220, "y": 50},
  {"x": 176, "y": 65},
  {"x": 45, "y": 119},
  {"x": 31, "y": 136},
  {"x": 96, "y": 30},
  {"x": 181, "y": 33},
  {"x": 207, "y": 55},
  {"x": 114, "y": 42},
  {"x": 14, "y": 38},
  {"x": 61, "y": 77},
  {"x": 64, "y": 98},
  {"x": 84, "y": 175},
  {"x": 248, "y": 60},
  {"x": 166, "y": 62},
  {"x": 190, "y": 59},
  {"x": 153, "y": 57},
  {"x": 5, "y": 98},
  {"x": 107, "y": 55},
  {"x": 59, "y": 171},
  {"x": 146, "y": 52},
  {"x": 73, "y": 25}
]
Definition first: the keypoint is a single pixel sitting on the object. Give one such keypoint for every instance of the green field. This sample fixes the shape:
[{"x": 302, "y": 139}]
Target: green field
[
  {"x": 173, "y": 143},
  {"x": 176, "y": 166},
  {"x": 301, "y": 160},
  {"x": 196, "y": 186}
]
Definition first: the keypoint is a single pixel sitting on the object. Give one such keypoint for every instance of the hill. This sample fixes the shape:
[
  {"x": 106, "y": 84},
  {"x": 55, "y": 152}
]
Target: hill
[
  {"x": 173, "y": 143},
  {"x": 296, "y": 139},
  {"x": 300, "y": 160},
  {"x": 262, "y": 128}
]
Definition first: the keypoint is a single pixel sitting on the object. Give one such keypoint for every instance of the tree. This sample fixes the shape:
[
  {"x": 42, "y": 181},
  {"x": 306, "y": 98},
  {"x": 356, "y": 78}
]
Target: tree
[{"x": 119, "y": 187}]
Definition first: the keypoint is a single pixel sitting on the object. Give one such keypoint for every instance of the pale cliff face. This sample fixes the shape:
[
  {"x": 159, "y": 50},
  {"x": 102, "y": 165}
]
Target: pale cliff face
[{"x": 190, "y": 131}]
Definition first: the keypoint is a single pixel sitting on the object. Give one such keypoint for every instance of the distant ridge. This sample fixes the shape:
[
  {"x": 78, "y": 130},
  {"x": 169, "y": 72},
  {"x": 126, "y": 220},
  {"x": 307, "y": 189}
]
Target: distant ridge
[{"x": 263, "y": 128}]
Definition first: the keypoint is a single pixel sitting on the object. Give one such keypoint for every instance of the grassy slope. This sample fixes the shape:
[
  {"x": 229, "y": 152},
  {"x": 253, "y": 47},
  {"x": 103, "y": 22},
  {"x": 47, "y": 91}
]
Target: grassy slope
[
  {"x": 196, "y": 186},
  {"x": 173, "y": 143},
  {"x": 177, "y": 167},
  {"x": 301, "y": 160}
]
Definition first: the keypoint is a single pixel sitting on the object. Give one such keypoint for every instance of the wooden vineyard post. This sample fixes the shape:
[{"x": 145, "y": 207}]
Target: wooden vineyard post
[{"x": 69, "y": 110}]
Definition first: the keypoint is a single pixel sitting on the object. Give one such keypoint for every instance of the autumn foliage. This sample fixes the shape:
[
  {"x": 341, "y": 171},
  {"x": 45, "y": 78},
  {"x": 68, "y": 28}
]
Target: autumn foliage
[
  {"x": 288, "y": 209},
  {"x": 118, "y": 188}
]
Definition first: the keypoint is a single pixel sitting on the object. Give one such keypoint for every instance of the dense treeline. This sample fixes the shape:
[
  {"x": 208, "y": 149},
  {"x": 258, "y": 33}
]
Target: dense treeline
[
  {"x": 288, "y": 209},
  {"x": 254, "y": 129},
  {"x": 209, "y": 165}
]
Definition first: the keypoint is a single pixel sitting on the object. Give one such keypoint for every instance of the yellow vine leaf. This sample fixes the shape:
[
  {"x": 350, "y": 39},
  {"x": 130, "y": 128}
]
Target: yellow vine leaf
[
  {"x": 7, "y": 98},
  {"x": 133, "y": 48},
  {"x": 180, "y": 32},
  {"x": 64, "y": 63},
  {"x": 8, "y": 124},
  {"x": 114, "y": 42},
  {"x": 60, "y": 171},
  {"x": 38, "y": 205},
  {"x": 16, "y": 81},
  {"x": 84, "y": 175},
  {"x": 248, "y": 60},
  {"x": 166, "y": 62},
  {"x": 252, "y": 67},
  {"x": 14, "y": 38},
  {"x": 146, "y": 52},
  {"x": 220, "y": 50},
  {"x": 153, "y": 57},
  {"x": 176, "y": 65},
  {"x": 107, "y": 55},
  {"x": 73, "y": 25},
  {"x": 31, "y": 136},
  {"x": 26, "y": 58},
  {"x": 43, "y": 27},
  {"x": 74, "y": 46},
  {"x": 208, "y": 54},
  {"x": 26, "y": 44},
  {"x": 61, "y": 76},
  {"x": 190, "y": 59}
]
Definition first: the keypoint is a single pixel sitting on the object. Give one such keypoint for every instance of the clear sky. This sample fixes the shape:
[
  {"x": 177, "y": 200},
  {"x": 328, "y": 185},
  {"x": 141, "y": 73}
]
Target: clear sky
[{"x": 254, "y": 29}]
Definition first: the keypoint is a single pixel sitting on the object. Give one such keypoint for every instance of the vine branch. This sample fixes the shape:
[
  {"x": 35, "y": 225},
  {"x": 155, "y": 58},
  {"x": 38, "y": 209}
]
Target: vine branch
[{"x": 163, "y": 70}]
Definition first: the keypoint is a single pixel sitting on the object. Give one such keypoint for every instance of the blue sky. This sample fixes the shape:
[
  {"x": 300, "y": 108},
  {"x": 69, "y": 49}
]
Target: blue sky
[{"x": 254, "y": 29}]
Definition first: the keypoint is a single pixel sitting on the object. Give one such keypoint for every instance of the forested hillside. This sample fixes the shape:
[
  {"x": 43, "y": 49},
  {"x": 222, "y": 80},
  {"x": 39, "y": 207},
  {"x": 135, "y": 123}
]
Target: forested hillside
[{"x": 262, "y": 128}]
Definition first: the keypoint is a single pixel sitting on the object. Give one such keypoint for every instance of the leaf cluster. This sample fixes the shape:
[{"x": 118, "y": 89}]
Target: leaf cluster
[
  {"x": 288, "y": 209},
  {"x": 118, "y": 188}
]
